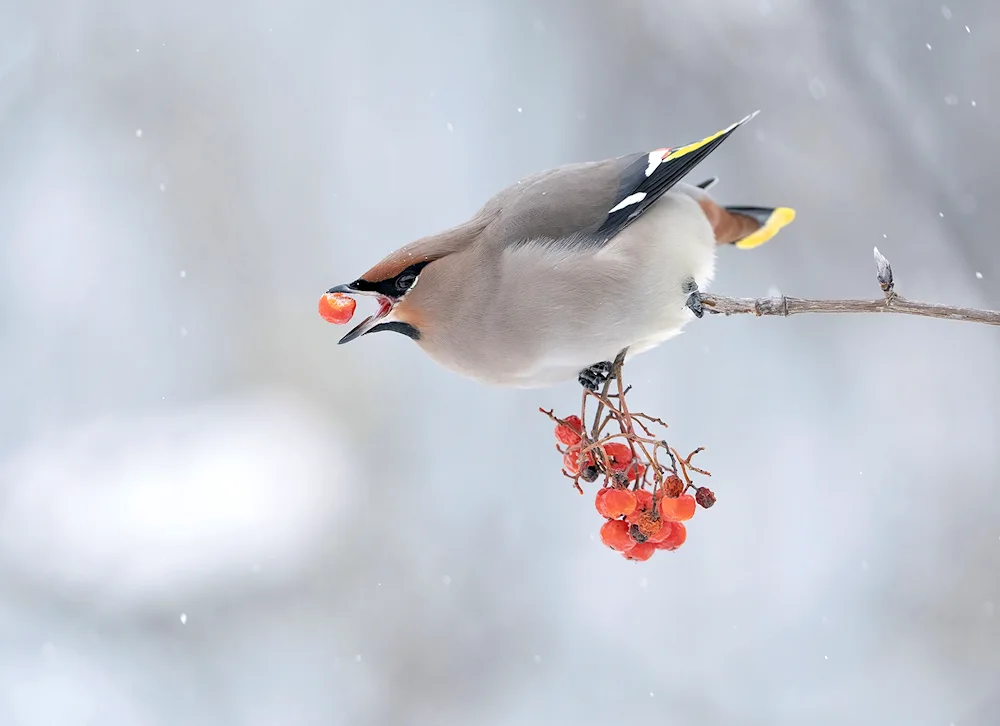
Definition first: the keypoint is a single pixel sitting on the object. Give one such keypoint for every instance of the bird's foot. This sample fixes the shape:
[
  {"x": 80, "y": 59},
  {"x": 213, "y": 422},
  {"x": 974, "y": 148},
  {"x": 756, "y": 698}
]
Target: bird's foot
[
  {"x": 594, "y": 377},
  {"x": 694, "y": 297}
]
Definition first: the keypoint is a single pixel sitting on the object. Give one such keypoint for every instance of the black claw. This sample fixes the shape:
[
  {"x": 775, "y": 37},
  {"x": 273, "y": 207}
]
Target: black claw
[
  {"x": 594, "y": 377},
  {"x": 694, "y": 304},
  {"x": 694, "y": 297}
]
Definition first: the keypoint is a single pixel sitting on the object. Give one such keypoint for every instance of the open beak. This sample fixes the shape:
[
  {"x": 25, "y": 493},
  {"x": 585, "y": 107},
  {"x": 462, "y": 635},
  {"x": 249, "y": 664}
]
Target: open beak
[{"x": 385, "y": 306}]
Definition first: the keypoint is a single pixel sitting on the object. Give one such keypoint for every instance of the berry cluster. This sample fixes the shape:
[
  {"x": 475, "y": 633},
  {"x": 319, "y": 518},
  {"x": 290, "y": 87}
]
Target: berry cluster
[{"x": 645, "y": 501}]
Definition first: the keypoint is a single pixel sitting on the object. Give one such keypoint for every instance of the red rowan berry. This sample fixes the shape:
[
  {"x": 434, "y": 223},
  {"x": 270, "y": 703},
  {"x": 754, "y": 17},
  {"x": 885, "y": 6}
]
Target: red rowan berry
[
  {"x": 613, "y": 503},
  {"x": 620, "y": 502},
  {"x": 337, "y": 308},
  {"x": 569, "y": 433},
  {"x": 571, "y": 461},
  {"x": 601, "y": 504},
  {"x": 679, "y": 509},
  {"x": 619, "y": 455},
  {"x": 614, "y": 534},
  {"x": 677, "y": 537},
  {"x": 663, "y": 532},
  {"x": 641, "y": 552},
  {"x": 636, "y": 471}
]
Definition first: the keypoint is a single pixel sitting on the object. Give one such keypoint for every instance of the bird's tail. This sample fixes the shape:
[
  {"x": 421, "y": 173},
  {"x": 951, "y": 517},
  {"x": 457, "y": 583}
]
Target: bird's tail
[{"x": 753, "y": 226}]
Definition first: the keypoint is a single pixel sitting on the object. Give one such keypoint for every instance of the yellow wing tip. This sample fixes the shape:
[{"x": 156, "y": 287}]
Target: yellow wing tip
[
  {"x": 688, "y": 148},
  {"x": 780, "y": 217}
]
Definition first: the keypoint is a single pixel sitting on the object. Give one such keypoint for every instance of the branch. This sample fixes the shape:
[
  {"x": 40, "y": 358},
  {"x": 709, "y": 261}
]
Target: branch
[{"x": 890, "y": 303}]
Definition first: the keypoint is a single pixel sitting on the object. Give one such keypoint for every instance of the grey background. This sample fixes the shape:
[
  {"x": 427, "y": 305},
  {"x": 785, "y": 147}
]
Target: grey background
[{"x": 211, "y": 514}]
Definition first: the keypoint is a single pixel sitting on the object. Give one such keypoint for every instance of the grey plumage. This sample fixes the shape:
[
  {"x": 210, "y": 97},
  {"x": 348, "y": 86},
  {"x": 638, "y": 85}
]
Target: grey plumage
[{"x": 561, "y": 270}]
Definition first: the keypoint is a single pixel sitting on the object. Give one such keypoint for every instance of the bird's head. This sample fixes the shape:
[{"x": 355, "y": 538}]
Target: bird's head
[
  {"x": 393, "y": 281},
  {"x": 390, "y": 281}
]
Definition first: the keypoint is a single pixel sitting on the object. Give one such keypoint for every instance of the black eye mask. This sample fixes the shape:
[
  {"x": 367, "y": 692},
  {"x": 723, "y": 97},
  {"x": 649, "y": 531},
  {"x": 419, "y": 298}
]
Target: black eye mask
[{"x": 394, "y": 287}]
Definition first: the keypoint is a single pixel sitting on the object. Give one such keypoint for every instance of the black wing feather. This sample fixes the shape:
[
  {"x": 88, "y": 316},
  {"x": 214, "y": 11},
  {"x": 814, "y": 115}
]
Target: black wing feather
[{"x": 664, "y": 176}]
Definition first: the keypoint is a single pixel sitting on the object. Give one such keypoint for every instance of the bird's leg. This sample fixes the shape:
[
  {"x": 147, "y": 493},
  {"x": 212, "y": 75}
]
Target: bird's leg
[
  {"x": 593, "y": 377},
  {"x": 690, "y": 287}
]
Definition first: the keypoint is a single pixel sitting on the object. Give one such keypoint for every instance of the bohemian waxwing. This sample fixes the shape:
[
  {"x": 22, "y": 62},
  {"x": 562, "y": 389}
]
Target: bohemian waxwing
[{"x": 558, "y": 273}]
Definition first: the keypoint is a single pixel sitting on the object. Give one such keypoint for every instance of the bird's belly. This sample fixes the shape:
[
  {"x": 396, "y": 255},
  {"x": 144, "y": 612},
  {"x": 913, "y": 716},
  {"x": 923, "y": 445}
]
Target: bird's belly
[
  {"x": 568, "y": 313},
  {"x": 560, "y": 364},
  {"x": 531, "y": 355}
]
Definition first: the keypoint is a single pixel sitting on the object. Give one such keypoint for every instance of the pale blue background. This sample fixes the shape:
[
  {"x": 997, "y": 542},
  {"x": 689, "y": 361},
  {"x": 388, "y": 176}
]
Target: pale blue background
[{"x": 354, "y": 536}]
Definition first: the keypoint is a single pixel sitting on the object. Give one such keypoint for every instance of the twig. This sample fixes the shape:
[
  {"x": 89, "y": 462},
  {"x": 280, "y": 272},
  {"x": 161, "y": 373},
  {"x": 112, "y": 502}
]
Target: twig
[
  {"x": 616, "y": 372},
  {"x": 891, "y": 303}
]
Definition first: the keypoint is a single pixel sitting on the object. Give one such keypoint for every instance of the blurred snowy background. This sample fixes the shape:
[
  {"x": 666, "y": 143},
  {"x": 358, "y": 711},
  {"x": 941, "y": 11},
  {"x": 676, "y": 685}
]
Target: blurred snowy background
[{"x": 211, "y": 514}]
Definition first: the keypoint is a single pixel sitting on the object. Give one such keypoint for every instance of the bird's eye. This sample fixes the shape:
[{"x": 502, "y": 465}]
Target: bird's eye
[{"x": 405, "y": 281}]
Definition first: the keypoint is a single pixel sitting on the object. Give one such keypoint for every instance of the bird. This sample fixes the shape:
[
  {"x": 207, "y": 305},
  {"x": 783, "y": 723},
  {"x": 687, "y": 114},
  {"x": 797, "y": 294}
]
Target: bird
[{"x": 562, "y": 271}]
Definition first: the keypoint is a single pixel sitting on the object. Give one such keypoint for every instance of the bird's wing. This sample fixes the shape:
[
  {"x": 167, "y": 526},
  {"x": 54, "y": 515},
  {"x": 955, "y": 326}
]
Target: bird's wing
[{"x": 588, "y": 204}]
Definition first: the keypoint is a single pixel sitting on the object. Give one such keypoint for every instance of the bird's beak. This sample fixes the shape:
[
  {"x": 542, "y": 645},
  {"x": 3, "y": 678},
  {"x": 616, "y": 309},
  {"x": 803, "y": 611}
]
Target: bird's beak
[{"x": 385, "y": 305}]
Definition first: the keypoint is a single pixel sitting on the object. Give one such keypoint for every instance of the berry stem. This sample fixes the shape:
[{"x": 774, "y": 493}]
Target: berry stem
[{"x": 616, "y": 373}]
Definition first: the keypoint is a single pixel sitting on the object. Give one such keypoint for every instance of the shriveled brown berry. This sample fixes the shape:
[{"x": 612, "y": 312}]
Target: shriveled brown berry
[
  {"x": 704, "y": 496},
  {"x": 590, "y": 474},
  {"x": 643, "y": 503},
  {"x": 673, "y": 486},
  {"x": 636, "y": 533},
  {"x": 649, "y": 523}
]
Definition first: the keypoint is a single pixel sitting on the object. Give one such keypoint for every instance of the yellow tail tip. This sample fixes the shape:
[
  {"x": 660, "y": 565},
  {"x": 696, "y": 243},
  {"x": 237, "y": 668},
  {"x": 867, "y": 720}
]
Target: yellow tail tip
[{"x": 779, "y": 218}]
